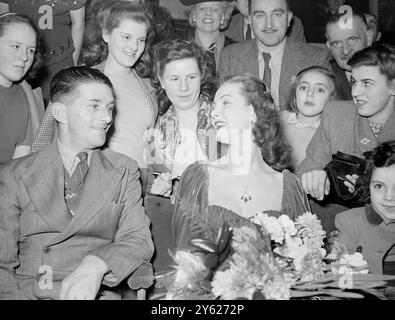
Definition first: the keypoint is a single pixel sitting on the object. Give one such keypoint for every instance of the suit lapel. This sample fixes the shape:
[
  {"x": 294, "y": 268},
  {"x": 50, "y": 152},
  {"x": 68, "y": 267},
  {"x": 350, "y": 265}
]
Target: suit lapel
[
  {"x": 249, "y": 58},
  {"x": 389, "y": 129},
  {"x": 292, "y": 59},
  {"x": 365, "y": 138},
  {"x": 98, "y": 188},
  {"x": 46, "y": 188}
]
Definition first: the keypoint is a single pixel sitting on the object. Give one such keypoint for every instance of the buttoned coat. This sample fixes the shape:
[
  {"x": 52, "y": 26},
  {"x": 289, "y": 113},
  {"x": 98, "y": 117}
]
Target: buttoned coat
[
  {"x": 343, "y": 129},
  {"x": 241, "y": 58},
  {"x": 40, "y": 241}
]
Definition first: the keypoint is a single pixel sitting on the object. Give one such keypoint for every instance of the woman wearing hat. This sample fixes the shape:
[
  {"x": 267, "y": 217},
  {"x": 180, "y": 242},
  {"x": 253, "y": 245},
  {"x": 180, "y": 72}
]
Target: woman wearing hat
[{"x": 208, "y": 18}]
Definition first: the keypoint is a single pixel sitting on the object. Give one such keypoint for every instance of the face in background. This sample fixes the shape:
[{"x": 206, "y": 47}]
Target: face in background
[
  {"x": 17, "y": 48},
  {"x": 344, "y": 43},
  {"x": 270, "y": 20},
  {"x": 372, "y": 92},
  {"x": 208, "y": 16},
  {"x": 312, "y": 93},
  {"x": 85, "y": 116},
  {"x": 232, "y": 114},
  {"x": 126, "y": 43},
  {"x": 181, "y": 79},
  {"x": 382, "y": 191},
  {"x": 242, "y": 6}
]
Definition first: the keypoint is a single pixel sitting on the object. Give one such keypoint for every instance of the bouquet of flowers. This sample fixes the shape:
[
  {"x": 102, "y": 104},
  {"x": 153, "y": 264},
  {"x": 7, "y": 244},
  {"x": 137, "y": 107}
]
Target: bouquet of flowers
[{"x": 277, "y": 259}]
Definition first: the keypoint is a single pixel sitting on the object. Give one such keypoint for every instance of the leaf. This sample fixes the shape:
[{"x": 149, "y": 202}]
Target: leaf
[
  {"x": 329, "y": 292},
  {"x": 205, "y": 245}
]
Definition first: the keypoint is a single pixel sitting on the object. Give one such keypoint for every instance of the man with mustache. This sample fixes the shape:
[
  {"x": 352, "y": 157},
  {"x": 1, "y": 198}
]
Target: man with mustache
[
  {"x": 72, "y": 225},
  {"x": 271, "y": 56},
  {"x": 344, "y": 39},
  {"x": 240, "y": 30}
]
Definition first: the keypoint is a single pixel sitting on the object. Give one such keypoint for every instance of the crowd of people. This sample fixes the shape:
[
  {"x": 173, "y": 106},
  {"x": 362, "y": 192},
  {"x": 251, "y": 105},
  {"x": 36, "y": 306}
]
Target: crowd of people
[{"x": 132, "y": 123}]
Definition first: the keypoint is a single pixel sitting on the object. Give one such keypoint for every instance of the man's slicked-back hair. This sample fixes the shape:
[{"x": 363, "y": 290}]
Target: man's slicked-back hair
[
  {"x": 286, "y": 3},
  {"x": 66, "y": 81},
  {"x": 377, "y": 55}
]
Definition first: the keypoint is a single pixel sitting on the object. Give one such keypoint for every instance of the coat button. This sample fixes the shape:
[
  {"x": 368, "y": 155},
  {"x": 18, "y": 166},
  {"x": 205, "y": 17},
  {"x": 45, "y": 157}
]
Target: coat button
[{"x": 46, "y": 249}]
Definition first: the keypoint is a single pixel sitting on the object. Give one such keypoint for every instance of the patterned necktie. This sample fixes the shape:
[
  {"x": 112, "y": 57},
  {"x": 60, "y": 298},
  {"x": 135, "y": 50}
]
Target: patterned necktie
[
  {"x": 73, "y": 184},
  {"x": 267, "y": 75},
  {"x": 248, "y": 32}
]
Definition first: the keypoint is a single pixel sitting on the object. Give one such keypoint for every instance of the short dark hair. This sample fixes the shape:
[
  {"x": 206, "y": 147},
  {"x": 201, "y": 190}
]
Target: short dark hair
[
  {"x": 377, "y": 55},
  {"x": 172, "y": 50},
  {"x": 66, "y": 81},
  {"x": 10, "y": 18},
  {"x": 286, "y": 3},
  {"x": 267, "y": 130},
  {"x": 382, "y": 156}
]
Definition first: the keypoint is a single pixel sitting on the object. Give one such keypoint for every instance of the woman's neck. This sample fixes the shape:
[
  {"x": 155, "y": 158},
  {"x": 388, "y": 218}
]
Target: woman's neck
[
  {"x": 307, "y": 120},
  {"x": 206, "y": 38},
  {"x": 246, "y": 159},
  {"x": 112, "y": 67}
]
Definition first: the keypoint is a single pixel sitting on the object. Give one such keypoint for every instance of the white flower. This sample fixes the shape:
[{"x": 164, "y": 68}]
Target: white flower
[
  {"x": 353, "y": 260},
  {"x": 272, "y": 225},
  {"x": 287, "y": 224},
  {"x": 190, "y": 268}
]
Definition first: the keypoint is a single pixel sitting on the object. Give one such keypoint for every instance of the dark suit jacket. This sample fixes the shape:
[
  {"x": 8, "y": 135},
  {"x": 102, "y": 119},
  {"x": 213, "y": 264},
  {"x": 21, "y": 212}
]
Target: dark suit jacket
[
  {"x": 342, "y": 85},
  {"x": 243, "y": 58},
  {"x": 343, "y": 129},
  {"x": 37, "y": 230},
  {"x": 235, "y": 30}
]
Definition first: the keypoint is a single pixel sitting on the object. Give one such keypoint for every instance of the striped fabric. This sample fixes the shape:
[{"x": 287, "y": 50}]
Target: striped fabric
[{"x": 73, "y": 184}]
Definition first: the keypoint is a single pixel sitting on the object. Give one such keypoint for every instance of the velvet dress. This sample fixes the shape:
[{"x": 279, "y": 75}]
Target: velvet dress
[{"x": 195, "y": 217}]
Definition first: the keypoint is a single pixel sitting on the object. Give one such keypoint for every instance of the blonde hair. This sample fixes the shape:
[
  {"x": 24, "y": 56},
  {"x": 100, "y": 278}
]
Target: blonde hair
[{"x": 227, "y": 9}]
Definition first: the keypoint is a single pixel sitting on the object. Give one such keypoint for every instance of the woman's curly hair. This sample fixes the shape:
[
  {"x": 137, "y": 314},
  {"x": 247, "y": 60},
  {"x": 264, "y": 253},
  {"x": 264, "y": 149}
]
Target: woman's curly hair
[
  {"x": 38, "y": 62},
  {"x": 227, "y": 9},
  {"x": 107, "y": 15},
  {"x": 267, "y": 130},
  {"x": 382, "y": 156},
  {"x": 172, "y": 50}
]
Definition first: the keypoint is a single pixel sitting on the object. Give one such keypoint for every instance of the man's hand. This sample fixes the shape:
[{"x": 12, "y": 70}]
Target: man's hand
[
  {"x": 316, "y": 183},
  {"x": 84, "y": 282}
]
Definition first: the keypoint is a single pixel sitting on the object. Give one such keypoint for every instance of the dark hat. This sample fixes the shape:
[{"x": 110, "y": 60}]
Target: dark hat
[{"x": 192, "y": 2}]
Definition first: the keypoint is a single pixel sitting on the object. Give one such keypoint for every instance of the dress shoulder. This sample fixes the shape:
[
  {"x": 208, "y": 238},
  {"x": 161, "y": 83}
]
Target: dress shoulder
[{"x": 295, "y": 201}]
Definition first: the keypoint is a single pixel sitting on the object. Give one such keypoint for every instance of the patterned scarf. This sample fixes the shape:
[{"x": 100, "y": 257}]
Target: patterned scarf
[{"x": 168, "y": 135}]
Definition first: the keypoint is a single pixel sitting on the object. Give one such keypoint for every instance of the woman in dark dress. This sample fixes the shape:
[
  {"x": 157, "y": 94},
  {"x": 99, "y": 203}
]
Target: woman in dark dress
[{"x": 252, "y": 176}]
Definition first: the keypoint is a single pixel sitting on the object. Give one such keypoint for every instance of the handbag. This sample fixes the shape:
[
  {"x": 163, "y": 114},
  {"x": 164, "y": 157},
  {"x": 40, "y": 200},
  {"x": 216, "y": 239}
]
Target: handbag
[{"x": 337, "y": 169}]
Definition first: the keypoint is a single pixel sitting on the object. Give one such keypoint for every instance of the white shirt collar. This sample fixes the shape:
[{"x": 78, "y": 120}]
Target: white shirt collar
[{"x": 292, "y": 119}]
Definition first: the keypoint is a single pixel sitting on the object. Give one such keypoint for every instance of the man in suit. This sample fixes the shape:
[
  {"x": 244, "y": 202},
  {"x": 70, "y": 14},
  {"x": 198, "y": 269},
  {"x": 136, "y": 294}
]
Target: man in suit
[
  {"x": 240, "y": 30},
  {"x": 343, "y": 42},
  {"x": 271, "y": 56},
  {"x": 72, "y": 225},
  {"x": 353, "y": 127}
]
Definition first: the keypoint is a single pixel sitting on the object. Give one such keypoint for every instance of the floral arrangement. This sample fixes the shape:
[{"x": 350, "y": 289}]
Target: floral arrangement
[{"x": 277, "y": 259}]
